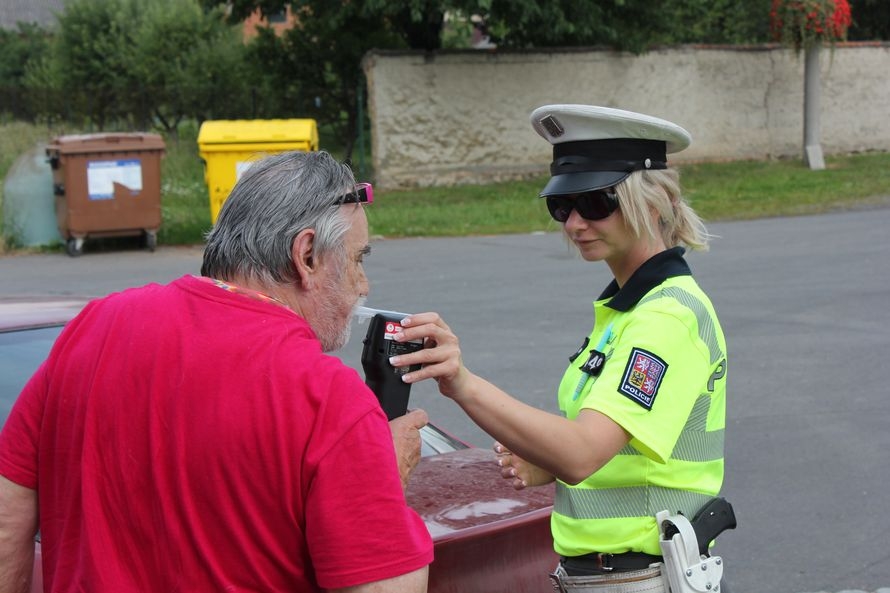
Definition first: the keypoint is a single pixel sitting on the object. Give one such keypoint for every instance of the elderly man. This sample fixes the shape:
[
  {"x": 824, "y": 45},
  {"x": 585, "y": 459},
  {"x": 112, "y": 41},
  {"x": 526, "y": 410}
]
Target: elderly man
[{"x": 196, "y": 437}]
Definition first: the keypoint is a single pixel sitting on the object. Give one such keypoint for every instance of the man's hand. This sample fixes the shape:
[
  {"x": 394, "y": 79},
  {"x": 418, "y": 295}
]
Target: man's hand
[{"x": 406, "y": 438}]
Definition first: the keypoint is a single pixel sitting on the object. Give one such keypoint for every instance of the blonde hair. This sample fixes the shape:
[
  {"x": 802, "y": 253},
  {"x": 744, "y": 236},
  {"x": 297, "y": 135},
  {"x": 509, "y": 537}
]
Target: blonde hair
[{"x": 659, "y": 190}]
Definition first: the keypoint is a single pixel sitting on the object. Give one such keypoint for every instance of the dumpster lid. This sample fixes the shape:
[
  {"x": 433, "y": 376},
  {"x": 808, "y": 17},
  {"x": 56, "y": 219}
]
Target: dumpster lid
[
  {"x": 258, "y": 131},
  {"x": 108, "y": 142}
]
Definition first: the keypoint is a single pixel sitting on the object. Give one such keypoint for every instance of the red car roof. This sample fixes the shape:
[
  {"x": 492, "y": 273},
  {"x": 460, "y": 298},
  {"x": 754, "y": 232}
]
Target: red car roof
[{"x": 24, "y": 312}]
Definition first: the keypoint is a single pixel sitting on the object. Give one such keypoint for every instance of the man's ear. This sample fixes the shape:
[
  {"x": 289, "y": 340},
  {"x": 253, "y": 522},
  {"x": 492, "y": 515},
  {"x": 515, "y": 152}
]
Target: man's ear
[{"x": 302, "y": 256}]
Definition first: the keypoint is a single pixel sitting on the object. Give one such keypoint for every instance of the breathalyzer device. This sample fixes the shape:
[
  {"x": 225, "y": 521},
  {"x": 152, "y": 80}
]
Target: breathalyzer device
[{"x": 384, "y": 379}]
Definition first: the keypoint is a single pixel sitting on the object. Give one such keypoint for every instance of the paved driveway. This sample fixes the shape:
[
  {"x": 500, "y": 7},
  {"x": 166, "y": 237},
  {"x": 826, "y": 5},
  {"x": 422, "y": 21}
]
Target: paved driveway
[{"x": 805, "y": 304}]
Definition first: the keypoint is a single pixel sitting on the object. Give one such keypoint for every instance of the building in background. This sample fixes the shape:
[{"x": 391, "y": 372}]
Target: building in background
[
  {"x": 43, "y": 13},
  {"x": 280, "y": 21}
]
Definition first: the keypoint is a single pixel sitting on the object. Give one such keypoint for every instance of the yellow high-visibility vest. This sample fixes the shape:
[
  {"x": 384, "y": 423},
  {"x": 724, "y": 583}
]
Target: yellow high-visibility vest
[{"x": 664, "y": 382}]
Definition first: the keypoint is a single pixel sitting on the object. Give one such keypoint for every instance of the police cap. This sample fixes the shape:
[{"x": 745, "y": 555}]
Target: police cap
[{"x": 598, "y": 147}]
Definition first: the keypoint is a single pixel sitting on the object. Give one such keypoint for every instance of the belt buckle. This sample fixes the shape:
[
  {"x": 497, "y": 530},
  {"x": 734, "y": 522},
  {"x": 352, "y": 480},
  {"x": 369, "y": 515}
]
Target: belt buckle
[{"x": 605, "y": 562}]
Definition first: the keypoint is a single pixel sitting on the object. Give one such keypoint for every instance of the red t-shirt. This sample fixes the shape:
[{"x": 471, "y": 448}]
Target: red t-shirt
[{"x": 185, "y": 438}]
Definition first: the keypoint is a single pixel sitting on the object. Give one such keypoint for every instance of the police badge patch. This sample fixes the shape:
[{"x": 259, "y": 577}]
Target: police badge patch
[{"x": 642, "y": 377}]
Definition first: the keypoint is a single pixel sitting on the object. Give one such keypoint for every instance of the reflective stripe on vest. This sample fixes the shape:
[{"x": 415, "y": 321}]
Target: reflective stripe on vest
[
  {"x": 706, "y": 332},
  {"x": 695, "y": 444},
  {"x": 614, "y": 503}
]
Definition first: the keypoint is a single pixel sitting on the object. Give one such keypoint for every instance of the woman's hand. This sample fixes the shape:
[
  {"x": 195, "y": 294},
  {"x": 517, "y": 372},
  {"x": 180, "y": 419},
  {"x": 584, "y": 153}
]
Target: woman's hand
[
  {"x": 440, "y": 358},
  {"x": 521, "y": 472},
  {"x": 552, "y": 444}
]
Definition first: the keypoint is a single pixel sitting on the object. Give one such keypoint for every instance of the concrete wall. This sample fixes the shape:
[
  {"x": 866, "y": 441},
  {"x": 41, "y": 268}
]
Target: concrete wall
[{"x": 462, "y": 117}]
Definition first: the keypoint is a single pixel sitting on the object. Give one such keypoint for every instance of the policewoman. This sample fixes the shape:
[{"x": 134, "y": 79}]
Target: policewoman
[{"x": 643, "y": 398}]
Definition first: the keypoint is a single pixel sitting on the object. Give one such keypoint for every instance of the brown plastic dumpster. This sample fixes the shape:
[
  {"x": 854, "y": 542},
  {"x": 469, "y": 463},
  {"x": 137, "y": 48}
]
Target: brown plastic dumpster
[{"x": 107, "y": 185}]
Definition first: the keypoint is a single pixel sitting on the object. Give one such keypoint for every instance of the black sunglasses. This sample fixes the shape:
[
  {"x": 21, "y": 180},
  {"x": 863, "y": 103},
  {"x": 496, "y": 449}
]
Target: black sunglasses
[
  {"x": 591, "y": 205},
  {"x": 362, "y": 194}
]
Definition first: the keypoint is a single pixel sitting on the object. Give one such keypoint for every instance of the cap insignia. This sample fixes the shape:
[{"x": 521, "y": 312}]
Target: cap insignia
[{"x": 553, "y": 127}]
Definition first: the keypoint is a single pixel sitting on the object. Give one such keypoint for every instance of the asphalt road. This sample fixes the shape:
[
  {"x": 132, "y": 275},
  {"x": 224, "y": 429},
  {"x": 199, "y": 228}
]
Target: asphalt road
[{"x": 805, "y": 308}]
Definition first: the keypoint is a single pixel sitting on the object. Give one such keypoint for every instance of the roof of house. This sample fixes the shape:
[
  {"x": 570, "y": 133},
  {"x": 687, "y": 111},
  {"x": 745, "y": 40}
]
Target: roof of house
[{"x": 40, "y": 12}]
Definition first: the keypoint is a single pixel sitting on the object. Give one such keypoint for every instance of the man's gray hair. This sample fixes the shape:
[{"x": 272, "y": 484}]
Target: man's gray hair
[{"x": 276, "y": 199}]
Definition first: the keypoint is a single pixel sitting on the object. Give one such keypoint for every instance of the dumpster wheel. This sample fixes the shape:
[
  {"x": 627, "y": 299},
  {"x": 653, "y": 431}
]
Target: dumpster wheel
[
  {"x": 74, "y": 246},
  {"x": 151, "y": 241}
]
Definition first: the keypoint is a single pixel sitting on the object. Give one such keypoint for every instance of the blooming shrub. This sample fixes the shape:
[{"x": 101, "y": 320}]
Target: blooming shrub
[{"x": 805, "y": 23}]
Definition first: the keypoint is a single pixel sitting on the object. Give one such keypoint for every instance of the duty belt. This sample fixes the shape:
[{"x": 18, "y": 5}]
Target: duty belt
[{"x": 598, "y": 562}]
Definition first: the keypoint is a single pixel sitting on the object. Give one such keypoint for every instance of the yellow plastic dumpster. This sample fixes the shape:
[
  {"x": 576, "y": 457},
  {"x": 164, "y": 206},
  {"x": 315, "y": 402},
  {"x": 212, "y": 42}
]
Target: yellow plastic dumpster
[
  {"x": 228, "y": 147},
  {"x": 107, "y": 185}
]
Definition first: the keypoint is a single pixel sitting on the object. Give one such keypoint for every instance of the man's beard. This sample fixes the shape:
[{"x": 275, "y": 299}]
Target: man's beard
[{"x": 332, "y": 327}]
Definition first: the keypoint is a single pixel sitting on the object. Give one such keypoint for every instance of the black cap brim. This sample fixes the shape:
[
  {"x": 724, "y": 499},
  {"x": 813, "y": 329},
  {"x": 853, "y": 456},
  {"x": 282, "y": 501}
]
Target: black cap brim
[{"x": 582, "y": 181}]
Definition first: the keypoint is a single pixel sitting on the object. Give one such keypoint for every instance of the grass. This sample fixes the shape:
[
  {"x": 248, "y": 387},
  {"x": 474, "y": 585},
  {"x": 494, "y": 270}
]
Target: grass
[
  {"x": 185, "y": 203},
  {"x": 757, "y": 189},
  {"x": 718, "y": 191},
  {"x": 458, "y": 211}
]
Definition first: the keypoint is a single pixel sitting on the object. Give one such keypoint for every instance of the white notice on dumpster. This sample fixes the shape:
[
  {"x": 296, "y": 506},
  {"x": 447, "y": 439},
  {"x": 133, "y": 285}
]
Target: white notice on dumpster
[
  {"x": 102, "y": 175},
  {"x": 241, "y": 168}
]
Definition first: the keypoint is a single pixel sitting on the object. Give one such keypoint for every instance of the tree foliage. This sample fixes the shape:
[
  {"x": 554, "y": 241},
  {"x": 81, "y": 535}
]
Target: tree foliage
[
  {"x": 93, "y": 54},
  {"x": 155, "y": 62},
  {"x": 717, "y": 21},
  {"x": 186, "y": 62},
  {"x": 314, "y": 69},
  {"x": 629, "y": 25},
  {"x": 26, "y": 44},
  {"x": 871, "y": 20},
  {"x": 139, "y": 62},
  {"x": 418, "y": 24}
]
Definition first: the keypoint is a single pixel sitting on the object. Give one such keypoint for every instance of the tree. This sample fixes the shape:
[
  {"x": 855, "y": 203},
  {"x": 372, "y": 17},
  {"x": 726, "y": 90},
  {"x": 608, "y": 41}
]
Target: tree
[
  {"x": 314, "y": 69},
  {"x": 19, "y": 48},
  {"x": 323, "y": 52},
  {"x": 418, "y": 23},
  {"x": 185, "y": 62},
  {"x": 43, "y": 87},
  {"x": 92, "y": 51},
  {"x": 141, "y": 63},
  {"x": 624, "y": 25},
  {"x": 717, "y": 21},
  {"x": 871, "y": 20}
]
